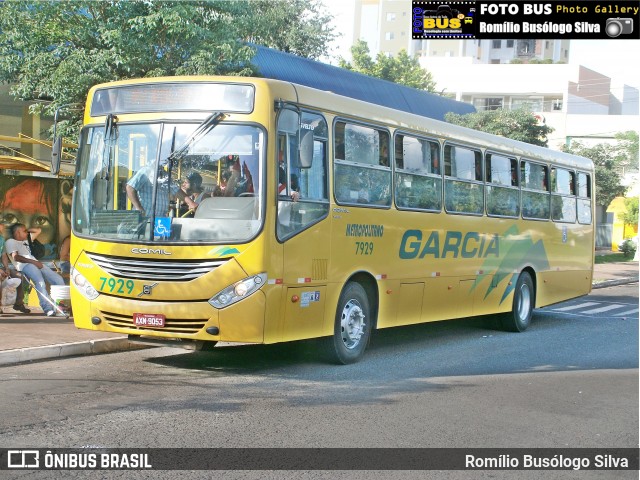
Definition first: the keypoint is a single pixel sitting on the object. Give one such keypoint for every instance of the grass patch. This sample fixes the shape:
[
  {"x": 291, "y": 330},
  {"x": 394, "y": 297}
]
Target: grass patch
[{"x": 612, "y": 258}]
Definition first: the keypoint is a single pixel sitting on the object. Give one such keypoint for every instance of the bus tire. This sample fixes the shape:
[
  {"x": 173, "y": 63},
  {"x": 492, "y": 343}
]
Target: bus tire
[
  {"x": 352, "y": 328},
  {"x": 519, "y": 319}
]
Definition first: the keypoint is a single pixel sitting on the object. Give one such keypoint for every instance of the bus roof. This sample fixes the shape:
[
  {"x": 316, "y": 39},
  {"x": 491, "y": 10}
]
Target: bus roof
[{"x": 279, "y": 65}]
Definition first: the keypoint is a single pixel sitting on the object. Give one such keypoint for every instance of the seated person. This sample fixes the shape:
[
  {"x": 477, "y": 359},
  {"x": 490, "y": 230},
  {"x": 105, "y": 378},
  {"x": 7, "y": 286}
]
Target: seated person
[
  {"x": 10, "y": 273},
  {"x": 34, "y": 270},
  {"x": 191, "y": 189}
]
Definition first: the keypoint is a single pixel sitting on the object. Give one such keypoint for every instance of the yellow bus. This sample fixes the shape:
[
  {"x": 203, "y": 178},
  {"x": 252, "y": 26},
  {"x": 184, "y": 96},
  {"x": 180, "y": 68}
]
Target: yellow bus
[{"x": 251, "y": 210}]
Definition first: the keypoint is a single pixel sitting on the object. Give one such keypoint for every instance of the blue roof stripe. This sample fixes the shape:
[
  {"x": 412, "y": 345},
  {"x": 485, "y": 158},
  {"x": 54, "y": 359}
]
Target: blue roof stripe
[{"x": 303, "y": 71}]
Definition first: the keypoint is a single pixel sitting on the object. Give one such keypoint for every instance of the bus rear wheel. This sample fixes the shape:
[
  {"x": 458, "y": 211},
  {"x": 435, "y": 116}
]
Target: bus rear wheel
[
  {"x": 519, "y": 319},
  {"x": 352, "y": 327}
]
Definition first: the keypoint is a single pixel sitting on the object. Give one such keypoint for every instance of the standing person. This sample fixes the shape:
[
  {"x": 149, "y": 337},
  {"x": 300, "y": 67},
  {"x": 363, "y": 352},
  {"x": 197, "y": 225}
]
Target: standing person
[
  {"x": 6, "y": 272},
  {"x": 139, "y": 190},
  {"x": 18, "y": 249}
]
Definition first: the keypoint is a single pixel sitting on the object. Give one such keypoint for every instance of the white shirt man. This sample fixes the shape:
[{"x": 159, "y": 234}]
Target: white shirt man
[{"x": 38, "y": 273}]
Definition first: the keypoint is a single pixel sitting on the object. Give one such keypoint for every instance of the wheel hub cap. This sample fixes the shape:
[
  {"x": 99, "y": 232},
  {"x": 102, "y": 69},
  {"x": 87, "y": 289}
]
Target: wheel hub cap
[
  {"x": 524, "y": 302},
  {"x": 352, "y": 324}
]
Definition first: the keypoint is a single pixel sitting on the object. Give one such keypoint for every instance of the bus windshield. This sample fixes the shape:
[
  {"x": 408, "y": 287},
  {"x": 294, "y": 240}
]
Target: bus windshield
[{"x": 157, "y": 182}]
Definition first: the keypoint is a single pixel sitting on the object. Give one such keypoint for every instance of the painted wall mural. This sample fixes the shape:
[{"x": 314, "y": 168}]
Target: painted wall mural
[{"x": 42, "y": 204}]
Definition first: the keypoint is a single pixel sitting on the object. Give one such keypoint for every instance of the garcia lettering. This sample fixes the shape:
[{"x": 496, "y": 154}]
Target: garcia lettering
[{"x": 450, "y": 244}]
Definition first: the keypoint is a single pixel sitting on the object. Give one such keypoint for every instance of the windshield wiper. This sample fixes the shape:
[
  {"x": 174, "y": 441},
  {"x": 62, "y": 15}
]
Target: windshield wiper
[
  {"x": 110, "y": 135},
  {"x": 205, "y": 127}
]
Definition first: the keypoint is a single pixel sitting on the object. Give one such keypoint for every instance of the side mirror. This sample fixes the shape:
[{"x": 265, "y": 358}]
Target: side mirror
[
  {"x": 306, "y": 148},
  {"x": 56, "y": 155}
]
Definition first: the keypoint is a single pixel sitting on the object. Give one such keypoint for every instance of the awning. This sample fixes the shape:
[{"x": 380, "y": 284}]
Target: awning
[
  {"x": 27, "y": 164},
  {"x": 19, "y": 161}
]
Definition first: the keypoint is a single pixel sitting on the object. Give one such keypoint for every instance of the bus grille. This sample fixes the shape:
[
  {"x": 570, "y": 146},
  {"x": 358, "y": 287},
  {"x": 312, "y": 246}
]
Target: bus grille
[
  {"x": 173, "y": 325},
  {"x": 163, "y": 270}
]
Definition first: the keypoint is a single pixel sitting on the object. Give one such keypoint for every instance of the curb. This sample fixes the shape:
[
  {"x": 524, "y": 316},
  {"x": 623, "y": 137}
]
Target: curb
[
  {"x": 50, "y": 352},
  {"x": 613, "y": 283}
]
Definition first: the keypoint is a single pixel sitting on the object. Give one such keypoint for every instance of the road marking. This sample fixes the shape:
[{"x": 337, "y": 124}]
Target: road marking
[
  {"x": 603, "y": 309},
  {"x": 575, "y": 307}
]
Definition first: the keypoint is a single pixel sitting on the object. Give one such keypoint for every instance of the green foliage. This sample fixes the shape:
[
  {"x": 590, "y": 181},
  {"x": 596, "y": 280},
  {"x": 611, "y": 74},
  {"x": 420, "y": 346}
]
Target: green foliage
[
  {"x": 300, "y": 27},
  {"x": 628, "y": 149},
  {"x": 628, "y": 248},
  {"x": 518, "y": 124},
  {"x": 56, "y": 50},
  {"x": 402, "y": 69},
  {"x": 630, "y": 216},
  {"x": 610, "y": 258},
  {"x": 607, "y": 160}
]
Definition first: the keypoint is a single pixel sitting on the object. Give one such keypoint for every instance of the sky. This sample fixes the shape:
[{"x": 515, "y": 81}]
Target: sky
[{"x": 617, "y": 58}]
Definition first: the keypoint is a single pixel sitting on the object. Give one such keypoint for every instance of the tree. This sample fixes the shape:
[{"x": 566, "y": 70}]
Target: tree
[
  {"x": 402, "y": 69},
  {"x": 630, "y": 215},
  {"x": 300, "y": 27},
  {"x": 627, "y": 150},
  {"x": 56, "y": 50},
  {"x": 518, "y": 124},
  {"x": 606, "y": 159}
]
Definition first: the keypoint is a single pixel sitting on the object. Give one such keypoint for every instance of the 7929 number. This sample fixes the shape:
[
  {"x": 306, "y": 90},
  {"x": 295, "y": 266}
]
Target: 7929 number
[
  {"x": 112, "y": 285},
  {"x": 364, "y": 248}
]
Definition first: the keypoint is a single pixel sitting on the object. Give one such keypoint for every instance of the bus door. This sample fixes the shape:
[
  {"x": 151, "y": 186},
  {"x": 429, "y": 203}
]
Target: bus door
[{"x": 302, "y": 227}]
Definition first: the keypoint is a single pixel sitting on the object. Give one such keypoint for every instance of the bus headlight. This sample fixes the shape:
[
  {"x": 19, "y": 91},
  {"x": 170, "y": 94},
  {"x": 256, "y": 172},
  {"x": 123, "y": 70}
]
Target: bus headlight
[
  {"x": 239, "y": 290},
  {"x": 83, "y": 285}
]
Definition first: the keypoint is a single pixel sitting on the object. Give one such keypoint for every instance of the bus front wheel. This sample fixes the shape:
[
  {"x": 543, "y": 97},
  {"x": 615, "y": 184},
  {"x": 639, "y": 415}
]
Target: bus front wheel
[
  {"x": 519, "y": 319},
  {"x": 204, "y": 345},
  {"x": 352, "y": 327}
]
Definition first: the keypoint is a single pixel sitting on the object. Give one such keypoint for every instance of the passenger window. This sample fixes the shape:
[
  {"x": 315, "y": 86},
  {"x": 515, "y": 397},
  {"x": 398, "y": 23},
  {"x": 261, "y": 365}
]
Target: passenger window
[
  {"x": 362, "y": 169},
  {"x": 503, "y": 195},
  {"x": 535, "y": 197},
  {"x": 563, "y": 201},
  {"x": 584, "y": 199},
  {"x": 463, "y": 191},
  {"x": 417, "y": 178}
]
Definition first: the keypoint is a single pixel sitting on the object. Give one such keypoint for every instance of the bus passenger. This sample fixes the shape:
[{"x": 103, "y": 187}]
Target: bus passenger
[
  {"x": 283, "y": 187},
  {"x": 192, "y": 189},
  {"x": 139, "y": 190}
]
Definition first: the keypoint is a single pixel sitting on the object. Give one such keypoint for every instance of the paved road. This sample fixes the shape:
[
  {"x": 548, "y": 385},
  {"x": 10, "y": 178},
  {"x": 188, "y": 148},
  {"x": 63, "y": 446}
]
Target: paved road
[{"x": 571, "y": 380}]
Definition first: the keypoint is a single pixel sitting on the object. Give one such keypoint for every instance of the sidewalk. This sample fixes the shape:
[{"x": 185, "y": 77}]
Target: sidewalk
[{"x": 33, "y": 336}]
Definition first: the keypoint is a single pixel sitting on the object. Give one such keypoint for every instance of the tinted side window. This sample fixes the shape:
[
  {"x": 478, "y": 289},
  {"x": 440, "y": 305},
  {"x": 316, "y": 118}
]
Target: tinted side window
[
  {"x": 502, "y": 192},
  {"x": 362, "y": 169},
  {"x": 584, "y": 198},
  {"x": 535, "y": 196},
  {"x": 464, "y": 192},
  {"x": 563, "y": 200},
  {"x": 417, "y": 179}
]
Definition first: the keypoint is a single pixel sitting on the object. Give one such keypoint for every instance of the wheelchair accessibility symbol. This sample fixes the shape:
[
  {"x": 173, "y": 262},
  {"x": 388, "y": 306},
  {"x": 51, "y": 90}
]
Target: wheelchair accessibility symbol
[{"x": 162, "y": 227}]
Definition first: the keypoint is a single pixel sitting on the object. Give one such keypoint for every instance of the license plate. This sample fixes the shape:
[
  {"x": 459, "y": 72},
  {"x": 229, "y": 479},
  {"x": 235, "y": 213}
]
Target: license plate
[{"x": 148, "y": 320}]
